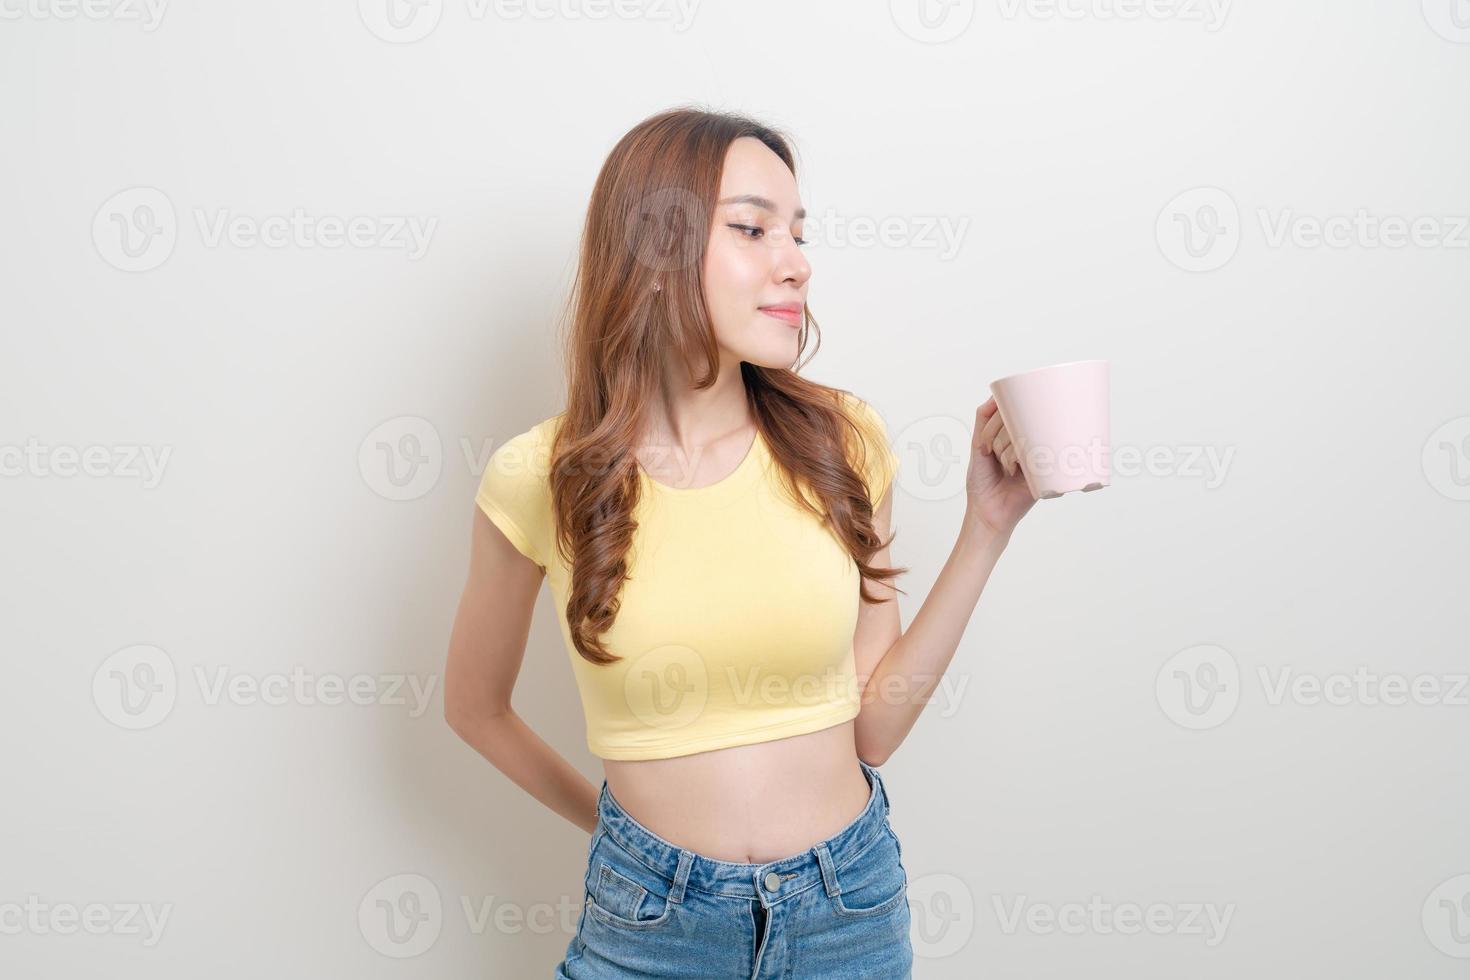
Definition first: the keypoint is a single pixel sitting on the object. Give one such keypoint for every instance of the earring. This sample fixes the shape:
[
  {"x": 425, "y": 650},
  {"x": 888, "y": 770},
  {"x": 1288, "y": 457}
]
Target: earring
[{"x": 656, "y": 286}]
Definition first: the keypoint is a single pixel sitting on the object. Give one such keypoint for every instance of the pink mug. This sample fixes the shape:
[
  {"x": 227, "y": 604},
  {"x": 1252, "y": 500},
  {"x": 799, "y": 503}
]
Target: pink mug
[{"x": 1058, "y": 420}]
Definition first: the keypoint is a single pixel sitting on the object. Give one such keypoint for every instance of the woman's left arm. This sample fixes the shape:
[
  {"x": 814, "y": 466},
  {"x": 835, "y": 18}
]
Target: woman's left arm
[{"x": 900, "y": 668}]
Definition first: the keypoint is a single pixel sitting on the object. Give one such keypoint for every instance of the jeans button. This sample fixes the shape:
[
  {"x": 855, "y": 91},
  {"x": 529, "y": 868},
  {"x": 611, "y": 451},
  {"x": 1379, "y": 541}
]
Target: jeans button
[{"x": 773, "y": 881}]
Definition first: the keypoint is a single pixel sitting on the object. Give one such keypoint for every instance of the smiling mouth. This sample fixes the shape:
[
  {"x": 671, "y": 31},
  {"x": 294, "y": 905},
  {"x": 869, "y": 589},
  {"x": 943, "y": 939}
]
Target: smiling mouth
[{"x": 790, "y": 317}]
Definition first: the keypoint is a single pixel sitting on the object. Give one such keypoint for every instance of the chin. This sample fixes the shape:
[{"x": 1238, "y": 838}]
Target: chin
[{"x": 775, "y": 356}]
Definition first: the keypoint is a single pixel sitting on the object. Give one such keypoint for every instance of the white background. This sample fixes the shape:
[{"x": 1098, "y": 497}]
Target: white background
[{"x": 280, "y": 536}]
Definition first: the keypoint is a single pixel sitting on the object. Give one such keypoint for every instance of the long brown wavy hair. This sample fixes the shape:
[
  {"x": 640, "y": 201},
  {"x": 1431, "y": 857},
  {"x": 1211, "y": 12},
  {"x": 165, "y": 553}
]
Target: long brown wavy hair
[{"x": 649, "y": 220}]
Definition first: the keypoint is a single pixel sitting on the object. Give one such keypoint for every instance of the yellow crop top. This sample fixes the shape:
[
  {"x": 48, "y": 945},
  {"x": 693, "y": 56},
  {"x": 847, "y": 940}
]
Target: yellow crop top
[{"x": 737, "y": 620}]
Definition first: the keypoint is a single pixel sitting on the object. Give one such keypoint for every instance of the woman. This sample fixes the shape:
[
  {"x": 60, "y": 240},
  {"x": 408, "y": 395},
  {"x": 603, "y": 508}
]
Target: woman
[{"x": 714, "y": 529}]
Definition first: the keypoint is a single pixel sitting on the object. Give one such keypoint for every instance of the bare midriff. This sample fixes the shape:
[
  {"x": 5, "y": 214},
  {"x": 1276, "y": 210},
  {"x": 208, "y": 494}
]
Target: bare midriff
[{"x": 747, "y": 804}]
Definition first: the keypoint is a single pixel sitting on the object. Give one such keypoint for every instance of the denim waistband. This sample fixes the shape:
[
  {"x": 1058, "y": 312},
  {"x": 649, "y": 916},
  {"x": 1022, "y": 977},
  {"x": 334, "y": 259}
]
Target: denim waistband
[{"x": 771, "y": 881}]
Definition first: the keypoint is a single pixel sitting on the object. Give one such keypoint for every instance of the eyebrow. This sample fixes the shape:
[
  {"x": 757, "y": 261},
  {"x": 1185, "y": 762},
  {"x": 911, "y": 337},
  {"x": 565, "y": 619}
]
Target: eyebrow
[{"x": 760, "y": 202}]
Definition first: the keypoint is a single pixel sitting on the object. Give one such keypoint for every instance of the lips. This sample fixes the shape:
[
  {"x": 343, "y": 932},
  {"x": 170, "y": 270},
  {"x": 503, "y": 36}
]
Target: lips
[{"x": 788, "y": 313}]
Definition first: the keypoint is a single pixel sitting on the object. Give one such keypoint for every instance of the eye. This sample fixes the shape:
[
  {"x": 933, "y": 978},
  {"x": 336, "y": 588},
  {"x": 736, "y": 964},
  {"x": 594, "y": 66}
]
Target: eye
[{"x": 759, "y": 233}]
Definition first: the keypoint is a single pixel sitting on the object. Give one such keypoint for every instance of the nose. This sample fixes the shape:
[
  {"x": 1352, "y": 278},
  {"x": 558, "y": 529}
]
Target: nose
[{"x": 791, "y": 265}]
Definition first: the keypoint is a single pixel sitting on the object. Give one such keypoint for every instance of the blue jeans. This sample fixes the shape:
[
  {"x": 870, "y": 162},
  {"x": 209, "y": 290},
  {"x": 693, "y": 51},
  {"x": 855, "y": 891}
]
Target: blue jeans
[{"x": 653, "y": 909}]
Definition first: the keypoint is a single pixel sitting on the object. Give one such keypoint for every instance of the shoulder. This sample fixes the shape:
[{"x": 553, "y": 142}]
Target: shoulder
[
  {"x": 532, "y": 445},
  {"x": 515, "y": 489},
  {"x": 876, "y": 458},
  {"x": 864, "y": 416},
  {"x": 859, "y": 410}
]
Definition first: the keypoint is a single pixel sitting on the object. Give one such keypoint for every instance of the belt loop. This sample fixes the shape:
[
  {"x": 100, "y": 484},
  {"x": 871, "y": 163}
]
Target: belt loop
[
  {"x": 829, "y": 876},
  {"x": 887, "y": 805},
  {"x": 681, "y": 875}
]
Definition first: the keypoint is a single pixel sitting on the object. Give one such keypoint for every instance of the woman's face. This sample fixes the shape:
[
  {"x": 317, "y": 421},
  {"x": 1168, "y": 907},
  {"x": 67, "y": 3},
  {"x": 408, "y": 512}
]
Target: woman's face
[{"x": 753, "y": 266}]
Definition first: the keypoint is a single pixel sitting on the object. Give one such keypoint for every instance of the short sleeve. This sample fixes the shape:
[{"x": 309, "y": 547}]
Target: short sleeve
[
  {"x": 515, "y": 493},
  {"x": 880, "y": 462}
]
